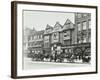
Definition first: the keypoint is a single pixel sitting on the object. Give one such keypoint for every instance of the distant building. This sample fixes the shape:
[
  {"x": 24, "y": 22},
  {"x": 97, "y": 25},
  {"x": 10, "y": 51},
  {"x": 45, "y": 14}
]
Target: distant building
[
  {"x": 56, "y": 37},
  {"x": 83, "y": 35},
  {"x": 68, "y": 33},
  {"x": 26, "y": 34},
  {"x": 35, "y": 44},
  {"x": 83, "y": 27},
  {"x": 47, "y": 39},
  {"x": 68, "y": 36}
]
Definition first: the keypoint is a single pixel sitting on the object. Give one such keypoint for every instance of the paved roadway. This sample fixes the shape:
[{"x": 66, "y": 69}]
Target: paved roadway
[{"x": 29, "y": 64}]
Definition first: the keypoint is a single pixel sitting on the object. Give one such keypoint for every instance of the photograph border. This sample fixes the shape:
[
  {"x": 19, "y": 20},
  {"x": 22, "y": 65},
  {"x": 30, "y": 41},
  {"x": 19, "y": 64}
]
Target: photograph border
[{"x": 14, "y": 37}]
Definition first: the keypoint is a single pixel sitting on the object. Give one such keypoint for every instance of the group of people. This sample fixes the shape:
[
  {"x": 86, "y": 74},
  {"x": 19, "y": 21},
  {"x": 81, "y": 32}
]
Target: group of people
[{"x": 55, "y": 56}]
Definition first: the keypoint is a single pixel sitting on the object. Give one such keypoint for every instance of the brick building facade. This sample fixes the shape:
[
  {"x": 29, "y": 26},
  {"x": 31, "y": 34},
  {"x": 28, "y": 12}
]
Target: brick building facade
[{"x": 35, "y": 43}]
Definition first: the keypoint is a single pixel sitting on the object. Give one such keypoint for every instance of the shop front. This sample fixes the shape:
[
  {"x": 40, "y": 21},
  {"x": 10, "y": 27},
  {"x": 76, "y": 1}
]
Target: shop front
[{"x": 82, "y": 52}]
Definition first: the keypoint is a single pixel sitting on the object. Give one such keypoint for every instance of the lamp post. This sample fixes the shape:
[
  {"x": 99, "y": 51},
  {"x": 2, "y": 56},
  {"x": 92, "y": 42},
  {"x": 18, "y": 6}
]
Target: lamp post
[{"x": 55, "y": 49}]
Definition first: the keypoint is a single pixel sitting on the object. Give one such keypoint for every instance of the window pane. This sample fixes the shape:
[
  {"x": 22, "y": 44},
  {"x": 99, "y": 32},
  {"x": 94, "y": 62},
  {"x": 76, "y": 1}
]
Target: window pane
[
  {"x": 33, "y": 37},
  {"x": 66, "y": 50},
  {"x": 70, "y": 50},
  {"x": 79, "y": 15},
  {"x": 66, "y": 35},
  {"x": 79, "y": 26},
  {"x": 41, "y": 36},
  {"x": 84, "y": 25},
  {"x": 84, "y": 40},
  {"x": 85, "y": 15},
  {"x": 89, "y": 24}
]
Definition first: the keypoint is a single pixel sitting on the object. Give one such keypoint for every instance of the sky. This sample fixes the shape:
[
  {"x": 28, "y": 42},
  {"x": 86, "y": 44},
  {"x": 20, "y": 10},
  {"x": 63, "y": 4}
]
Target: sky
[{"x": 39, "y": 19}]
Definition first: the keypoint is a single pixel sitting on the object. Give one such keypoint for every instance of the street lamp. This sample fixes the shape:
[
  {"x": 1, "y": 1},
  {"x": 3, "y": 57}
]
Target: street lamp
[{"x": 55, "y": 49}]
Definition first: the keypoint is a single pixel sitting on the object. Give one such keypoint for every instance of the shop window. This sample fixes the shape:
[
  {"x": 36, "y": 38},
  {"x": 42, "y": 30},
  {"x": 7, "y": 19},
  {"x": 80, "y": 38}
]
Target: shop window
[{"x": 79, "y": 40}]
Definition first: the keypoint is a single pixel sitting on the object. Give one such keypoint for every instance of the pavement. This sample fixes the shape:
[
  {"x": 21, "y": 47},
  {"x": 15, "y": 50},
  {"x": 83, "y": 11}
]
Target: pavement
[{"x": 29, "y": 64}]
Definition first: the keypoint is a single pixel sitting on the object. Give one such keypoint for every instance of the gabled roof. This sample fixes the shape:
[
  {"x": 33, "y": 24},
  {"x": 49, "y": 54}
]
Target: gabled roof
[
  {"x": 27, "y": 31},
  {"x": 57, "y": 24},
  {"x": 37, "y": 32},
  {"x": 65, "y": 26},
  {"x": 27, "y": 28},
  {"x": 67, "y": 21},
  {"x": 34, "y": 29},
  {"x": 49, "y": 27},
  {"x": 57, "y": 27}
]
